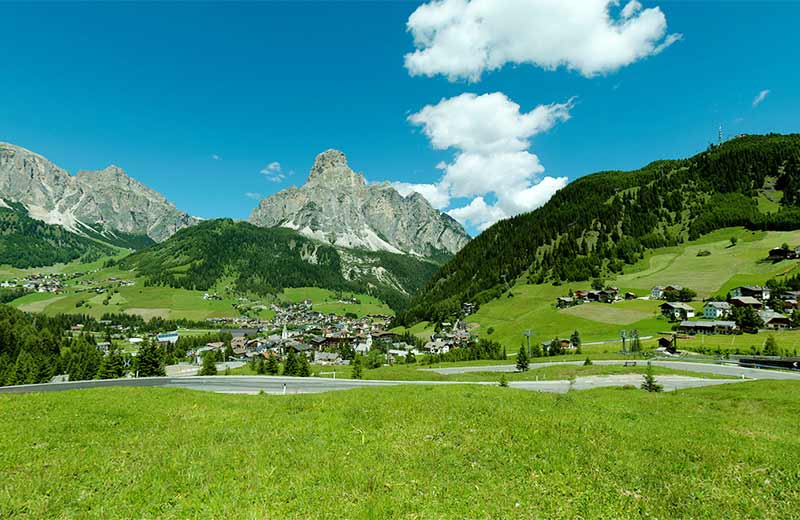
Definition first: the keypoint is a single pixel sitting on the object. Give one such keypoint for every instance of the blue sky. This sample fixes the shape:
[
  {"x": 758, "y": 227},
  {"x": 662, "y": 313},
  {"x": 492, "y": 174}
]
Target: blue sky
[{"x": 161, "y": 89}]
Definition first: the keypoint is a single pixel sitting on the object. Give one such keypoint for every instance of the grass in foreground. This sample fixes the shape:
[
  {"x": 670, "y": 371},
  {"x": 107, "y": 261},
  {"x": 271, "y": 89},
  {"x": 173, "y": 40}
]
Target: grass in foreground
[{"x": 421, "y": 452}]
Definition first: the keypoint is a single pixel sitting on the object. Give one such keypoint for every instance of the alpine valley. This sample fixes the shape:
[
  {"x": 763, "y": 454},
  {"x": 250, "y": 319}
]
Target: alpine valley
[{"x": 336, "y": 232}]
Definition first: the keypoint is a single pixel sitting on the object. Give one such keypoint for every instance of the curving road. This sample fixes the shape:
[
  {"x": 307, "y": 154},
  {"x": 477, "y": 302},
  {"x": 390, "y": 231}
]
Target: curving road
[
  {"x": 688, "y": 366},
  {"x": 305, "y": 385}
]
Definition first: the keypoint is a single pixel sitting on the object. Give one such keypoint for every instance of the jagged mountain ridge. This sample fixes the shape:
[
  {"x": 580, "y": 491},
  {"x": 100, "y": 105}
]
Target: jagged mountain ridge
[
  {"x": 337, "y": 206},
  {"x": 107, "y": 201}
]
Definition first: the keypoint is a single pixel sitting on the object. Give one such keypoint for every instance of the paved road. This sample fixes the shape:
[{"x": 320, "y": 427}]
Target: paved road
[
  {"x": 275, "y": 385},
  {"x": 707, "y": 368}
]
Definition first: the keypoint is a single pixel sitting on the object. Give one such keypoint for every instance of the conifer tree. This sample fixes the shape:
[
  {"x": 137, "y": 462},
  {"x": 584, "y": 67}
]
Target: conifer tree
[
  {"x": 272, "y": 366},
  {"x": 522, "y": 359},
  {"x": 261, "y": 367},
  {"x": 357, "y": 372},
  {"x": 649, "y": 382},
  {"x": 209, "y": 364},
  {"x": 290, "y": 366},
  {"x": 112, "y": 366},
  {"x": 303, "y": 366},
  {"x": 149, "y": 360}
]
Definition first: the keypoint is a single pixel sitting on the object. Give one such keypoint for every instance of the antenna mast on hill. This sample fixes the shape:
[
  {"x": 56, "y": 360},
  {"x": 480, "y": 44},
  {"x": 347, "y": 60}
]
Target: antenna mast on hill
[{"x": 720, "y": 134}]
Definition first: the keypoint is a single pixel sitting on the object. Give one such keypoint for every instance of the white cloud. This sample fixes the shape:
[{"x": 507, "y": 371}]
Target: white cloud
[
  {"x": 760, "y": 97},
  {"x": 253, "y": 195},
  {"x": 491, "y": 138},
  {"x": 216, "y": 157},
  {"x": 273, "y": 172},
  {"x": 436, "y": 194},
  {"x": 462, "y": 39},
  {"x": 477, "y": 213}
]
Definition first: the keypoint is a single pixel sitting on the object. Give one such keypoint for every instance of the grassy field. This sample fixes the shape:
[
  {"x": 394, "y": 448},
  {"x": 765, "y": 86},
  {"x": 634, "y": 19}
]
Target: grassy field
[
  {"x": 163, "y": 302},
  {"x": 423, "y": 452},
  {"x": 532, "y": 306}
]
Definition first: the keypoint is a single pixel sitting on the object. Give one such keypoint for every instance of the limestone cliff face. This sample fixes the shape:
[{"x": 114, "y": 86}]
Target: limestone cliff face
[
  {"x": 337, "y": 206},
  {"x": 107, "y": 199}
]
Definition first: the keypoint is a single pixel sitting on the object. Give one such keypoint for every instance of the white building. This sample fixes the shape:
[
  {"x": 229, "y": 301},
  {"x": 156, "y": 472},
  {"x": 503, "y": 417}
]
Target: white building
[{"x": 717, "y": 310}]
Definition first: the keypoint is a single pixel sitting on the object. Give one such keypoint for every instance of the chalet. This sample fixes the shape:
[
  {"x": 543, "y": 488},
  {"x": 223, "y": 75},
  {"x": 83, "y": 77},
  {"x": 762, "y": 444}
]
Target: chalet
[
  {"x": 167, "y": 338},
  {"x": 657, "y": 292},
  {"x": 707, "y": 327},
  {"x": 365, "y": 347},
  {"x": 774, "y": 320},
  {"x": 104, "y": 347},
  {"x": 746, "y": 301},
  {"x": 790, "y": 295},
  {"x": 609, "y": 294},
  {"x": 326, "y": 358},
  {"x": 630, "y": 296},
  {"x": 752, "y": 291},
  {"x": 784, "y": 253},
  {"x": 468, "y": 308},
  {"x": 581, "y": 295},
  {"x": 677, "y": 310},
  {"x": 667, "y": 345},
  {"x": 717, "y": 310},
  {"x": 564, "y": 302},
  {"x": 437, "y": 346}
]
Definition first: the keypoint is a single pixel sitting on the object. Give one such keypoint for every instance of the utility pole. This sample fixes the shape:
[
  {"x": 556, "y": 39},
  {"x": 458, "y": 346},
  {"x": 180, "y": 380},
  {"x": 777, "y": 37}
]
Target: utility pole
[{"x": 528, "y": 333}]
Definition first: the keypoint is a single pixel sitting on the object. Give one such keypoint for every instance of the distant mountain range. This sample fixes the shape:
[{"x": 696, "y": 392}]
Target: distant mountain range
[
  {"x": 337, "y": 206},
  {"x": 105, "y": 202},
  {"x": 335, "y": 232}
]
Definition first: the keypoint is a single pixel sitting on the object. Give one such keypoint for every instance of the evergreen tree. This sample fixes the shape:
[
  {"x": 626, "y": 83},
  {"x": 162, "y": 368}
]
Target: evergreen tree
[
  {"x": 112, "y": 365},
  {"x": 771, "y": 346},
  {"x": 588, "y": 362},
  {"x": 522, "y": 359},
  {"x": 272, "y": 365},
  {"x": 303, "y": 366},
  {"x": 649, "y": 382},
  {"x": 261, "y": 367},
  {"x": 410, "y": 357},
  {"x": 149, "y": 360},
  {"x": 290, "y": 366},
  {"x": 536, "y": 350},
  {"x": 357, "y": 372},
  {"x": 575, "y": 339},
  {"x": 209, "y": 367}
]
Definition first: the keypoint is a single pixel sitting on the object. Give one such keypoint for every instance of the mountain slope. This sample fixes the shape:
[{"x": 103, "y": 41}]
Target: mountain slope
[
  {"x": 25, "y": 242},
  {"x": 337, "y": 206},
  {"x": 603, "y": 221},
  {"x": 266, "y": 260},
  {"x": 108, "y": 201}
]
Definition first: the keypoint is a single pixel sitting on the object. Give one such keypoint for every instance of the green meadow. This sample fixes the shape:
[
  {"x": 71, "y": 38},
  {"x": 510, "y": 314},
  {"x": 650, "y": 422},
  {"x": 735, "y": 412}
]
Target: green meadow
[
  {"x": 165, "y": 302},
  {"x": 416, "y": 452},
  {"x": 533, "y": 306}
]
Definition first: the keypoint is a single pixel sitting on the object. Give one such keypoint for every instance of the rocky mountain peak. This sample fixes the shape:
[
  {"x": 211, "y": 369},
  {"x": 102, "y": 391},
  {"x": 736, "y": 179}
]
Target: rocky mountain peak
[
  {"x": 107, "y": 198},
  {"x": 338, "y": 207},
  {"x": 330, "y": 167}
]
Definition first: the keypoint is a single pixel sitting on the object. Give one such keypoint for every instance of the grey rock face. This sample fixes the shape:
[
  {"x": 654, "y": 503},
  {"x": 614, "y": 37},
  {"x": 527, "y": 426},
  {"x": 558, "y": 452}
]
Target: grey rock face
[
  {"x": 107, "y": 198},
  {"x": 337, "y": 206}
]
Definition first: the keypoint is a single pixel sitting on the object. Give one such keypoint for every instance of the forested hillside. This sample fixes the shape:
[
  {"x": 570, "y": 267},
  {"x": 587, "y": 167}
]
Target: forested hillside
[
  {"x": 25, "y": 242},
  {"x": 601, "y": 222},
  {"x": 267, "y": 260}
]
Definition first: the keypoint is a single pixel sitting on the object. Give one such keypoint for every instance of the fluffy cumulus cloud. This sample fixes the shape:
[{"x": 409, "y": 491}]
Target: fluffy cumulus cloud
[
  {"x": 273, "y": 172},
  {"x": 760, "y": 97},
  {"x": 252, "y": 195},
  {"x": 461, "y": 39},
  {"x": 490, "y": 136}
]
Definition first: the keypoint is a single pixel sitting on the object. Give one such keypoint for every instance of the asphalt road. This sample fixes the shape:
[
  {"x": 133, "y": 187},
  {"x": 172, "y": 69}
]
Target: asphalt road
[
  {"x": 306, "y": 385},
  {"x": 707, "y": 368}
]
